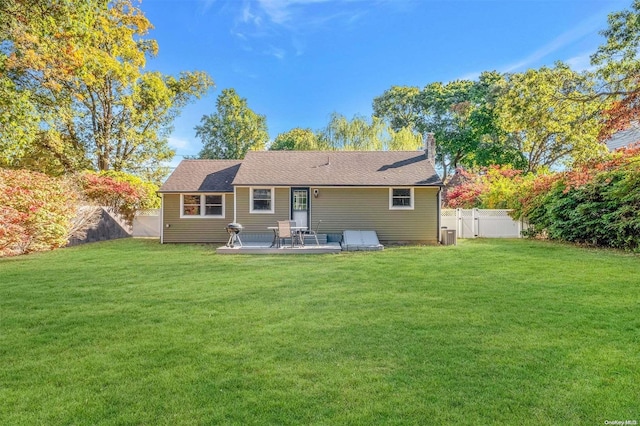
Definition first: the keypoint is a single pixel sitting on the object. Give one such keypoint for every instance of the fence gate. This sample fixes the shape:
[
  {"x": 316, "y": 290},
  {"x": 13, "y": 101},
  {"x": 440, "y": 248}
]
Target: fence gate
[{"x": 485, "y": 223}]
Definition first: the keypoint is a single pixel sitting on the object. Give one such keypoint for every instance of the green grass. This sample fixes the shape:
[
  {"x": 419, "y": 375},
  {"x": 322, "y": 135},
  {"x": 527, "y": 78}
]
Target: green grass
[{"x": 487, "y": 332}]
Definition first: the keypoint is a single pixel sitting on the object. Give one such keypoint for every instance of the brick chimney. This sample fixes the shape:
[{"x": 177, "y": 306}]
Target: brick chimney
[{"x": 430, "y": 146}]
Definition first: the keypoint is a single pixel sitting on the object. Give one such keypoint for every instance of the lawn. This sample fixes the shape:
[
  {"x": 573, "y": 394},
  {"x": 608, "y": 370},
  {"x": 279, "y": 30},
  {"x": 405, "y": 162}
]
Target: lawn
[{"x": 487, "y": 332}]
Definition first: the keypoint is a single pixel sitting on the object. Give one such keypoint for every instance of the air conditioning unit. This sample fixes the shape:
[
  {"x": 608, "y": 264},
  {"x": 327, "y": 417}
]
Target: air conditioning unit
[{"x": 448, "y": 237}]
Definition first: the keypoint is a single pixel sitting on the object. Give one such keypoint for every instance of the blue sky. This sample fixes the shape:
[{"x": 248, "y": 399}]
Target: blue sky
[{"x": 297, "y": 61}]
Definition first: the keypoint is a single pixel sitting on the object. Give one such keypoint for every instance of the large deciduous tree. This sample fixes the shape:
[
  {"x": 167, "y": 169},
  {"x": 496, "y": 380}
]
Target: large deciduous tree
[
  {"x": 297, "y": 139},
  {"x": 618, "y": 65},
  {"x": 546, "y": 118},
  {"x": 232, "y": 130},
  {"x": 77, "y": 69},
  {"x": 461, "y": 116}
]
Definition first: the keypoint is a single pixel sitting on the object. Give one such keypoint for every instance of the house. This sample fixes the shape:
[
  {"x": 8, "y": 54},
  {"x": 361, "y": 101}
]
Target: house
[{"x": 395, "y": 193}]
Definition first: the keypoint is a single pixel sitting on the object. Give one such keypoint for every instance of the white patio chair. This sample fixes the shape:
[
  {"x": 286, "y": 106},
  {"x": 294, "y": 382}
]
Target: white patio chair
[{"x": 313, "y": 232}]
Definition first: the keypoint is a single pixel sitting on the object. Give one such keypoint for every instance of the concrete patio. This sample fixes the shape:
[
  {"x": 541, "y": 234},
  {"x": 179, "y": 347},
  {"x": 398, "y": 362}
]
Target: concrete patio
[{"x": 261, "y": 247}]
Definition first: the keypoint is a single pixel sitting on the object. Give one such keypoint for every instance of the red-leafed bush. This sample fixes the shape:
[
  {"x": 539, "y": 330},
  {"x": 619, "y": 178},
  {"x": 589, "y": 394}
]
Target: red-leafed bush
[
  {"x": 493, "y": 187},
  {"x": 124, "y": 193},
  {"x": 35, "y": 211}
]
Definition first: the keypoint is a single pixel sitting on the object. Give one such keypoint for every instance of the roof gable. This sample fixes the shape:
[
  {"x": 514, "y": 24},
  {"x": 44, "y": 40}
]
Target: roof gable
[
  {"x": 337, "y": 168},
  {"x": 202, "y": 176}
]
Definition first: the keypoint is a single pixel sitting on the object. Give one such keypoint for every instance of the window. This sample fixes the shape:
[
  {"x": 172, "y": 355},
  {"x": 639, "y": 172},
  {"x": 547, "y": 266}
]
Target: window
[
  {"x": 262, "y": 200},
  {"x": 401, "y": 198},
  {"x": 202, "y": 205}
]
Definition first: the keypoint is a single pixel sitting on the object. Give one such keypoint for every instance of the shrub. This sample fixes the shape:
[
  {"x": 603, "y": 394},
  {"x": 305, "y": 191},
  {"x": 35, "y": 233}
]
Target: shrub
[
  {"x": 596, "y": 203},
  {"x": 494, "y": 187},
  {"x": 35, "y": 211},
  {"x": 125, "y": 193}
]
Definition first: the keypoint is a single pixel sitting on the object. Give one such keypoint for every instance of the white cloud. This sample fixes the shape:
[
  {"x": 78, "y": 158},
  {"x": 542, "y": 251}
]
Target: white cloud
[
  {"x": 281, "y": 11},
  {"x": 275, "y": 52},
  {"x": 586, "y": 27},
  {"x": 580, "y": 62},
  {"x": 206, "y": 5}
]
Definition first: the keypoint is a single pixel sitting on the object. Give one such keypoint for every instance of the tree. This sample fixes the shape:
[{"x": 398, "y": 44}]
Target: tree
[
  {"x": 619, "y": 68},
  {"x": 297, "y": 139},
  {"x": 80, "y": 69},
  {"x": 404, "y": 139},
  {"x": 545, "y": 117},
  {"x": 357, "y": 134},
  {"x": 461, "y": 116},
  {"x": 400, "y": 107},
  {"x": 233, "y": 130}
]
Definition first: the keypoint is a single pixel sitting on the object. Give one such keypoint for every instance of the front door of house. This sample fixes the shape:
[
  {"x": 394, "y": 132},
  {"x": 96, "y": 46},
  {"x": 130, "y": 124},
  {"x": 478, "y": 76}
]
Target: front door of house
[{"x": 300, "y": 206}]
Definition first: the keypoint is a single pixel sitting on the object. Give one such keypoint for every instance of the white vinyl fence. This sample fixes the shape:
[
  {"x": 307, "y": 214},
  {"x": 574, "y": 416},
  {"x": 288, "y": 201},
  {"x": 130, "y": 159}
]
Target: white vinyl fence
[
  {"x": 147, "y": 223},
  {"x": 468, "y": 223},
  {"x": 484, "y": 223}
]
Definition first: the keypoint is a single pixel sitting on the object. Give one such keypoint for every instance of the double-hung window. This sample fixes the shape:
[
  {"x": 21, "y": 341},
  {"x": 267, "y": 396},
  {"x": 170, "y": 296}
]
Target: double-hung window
[
  {"x": 401, "y": 198},
  {"x": 202, "y": 205},
  {"x": 262, "y": 200}
]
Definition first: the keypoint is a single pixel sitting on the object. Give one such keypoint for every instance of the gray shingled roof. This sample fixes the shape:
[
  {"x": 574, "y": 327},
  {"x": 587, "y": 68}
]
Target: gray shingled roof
[
  {"x": 337, "y": 168},
  {"x": 624, "y": 137},
  {"x": 202, "y": 175}
]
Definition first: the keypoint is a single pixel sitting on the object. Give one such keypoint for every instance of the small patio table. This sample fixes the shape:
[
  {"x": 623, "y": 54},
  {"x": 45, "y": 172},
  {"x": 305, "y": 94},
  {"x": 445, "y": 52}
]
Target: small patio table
[{"x": 276, "y": 240}]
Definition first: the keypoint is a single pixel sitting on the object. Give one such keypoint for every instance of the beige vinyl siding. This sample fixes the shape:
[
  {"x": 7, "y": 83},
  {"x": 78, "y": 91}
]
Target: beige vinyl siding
[
  {"x": 258, "y": 222},
  {"x": 368, "y": 209},
  {"x": 194, "y": 230}
]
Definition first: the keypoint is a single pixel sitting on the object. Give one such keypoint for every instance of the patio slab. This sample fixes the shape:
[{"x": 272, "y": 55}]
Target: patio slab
[{"x": 264, "y": 248}]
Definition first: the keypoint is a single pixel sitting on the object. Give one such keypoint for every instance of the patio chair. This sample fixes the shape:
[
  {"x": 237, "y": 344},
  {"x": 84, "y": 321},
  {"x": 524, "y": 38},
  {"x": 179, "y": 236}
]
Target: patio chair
[
  {"x": 313, "y": 232},
  {"x": 284, "y": 231},
  {"x": 297, "y": 234}
]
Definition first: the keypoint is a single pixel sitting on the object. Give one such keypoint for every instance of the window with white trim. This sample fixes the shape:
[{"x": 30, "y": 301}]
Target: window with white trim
[
  {"x": 202, "y": 205},
  {"x": 401, "y": 198},
  {"x": 262, "y": 200}
]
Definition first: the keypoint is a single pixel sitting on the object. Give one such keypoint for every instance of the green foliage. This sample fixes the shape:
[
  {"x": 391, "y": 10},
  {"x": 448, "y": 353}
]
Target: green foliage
[
  {"x": 232, "y": 130},
  {"x": 495, "y": 187},
  {"x": 596, "y": 203},
  {"x": 618, "y": 66},
  {"x": 125, "y": 193},
  {"x": 35, "y": 211},
  {"x": 401, "y": 107},
  {"x": 296, "y": 140},
  {"x": 404, "y": 139},
  {"x": 357, "y": 134},
  {"x": 362, "y": 134},
  {"x": 461, "y": 116},
  {"x": 550, "y": 116},
  {"x": 76, "y": 69}
]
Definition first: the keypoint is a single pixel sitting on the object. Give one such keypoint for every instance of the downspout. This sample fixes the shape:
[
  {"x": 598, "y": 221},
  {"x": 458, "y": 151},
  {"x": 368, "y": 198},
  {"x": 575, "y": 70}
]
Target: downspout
[
  {"x": 161, "y": 219},
  {"x": 234, "y": 205},
  {"x": 439, "y": 227}
]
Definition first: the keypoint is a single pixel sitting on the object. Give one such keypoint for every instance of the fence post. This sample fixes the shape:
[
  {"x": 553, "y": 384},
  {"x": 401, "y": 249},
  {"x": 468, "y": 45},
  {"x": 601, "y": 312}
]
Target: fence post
[
  {"x": 475, "y": 225},
  {"x": 459, "y": 223}
]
